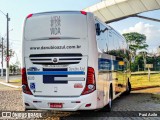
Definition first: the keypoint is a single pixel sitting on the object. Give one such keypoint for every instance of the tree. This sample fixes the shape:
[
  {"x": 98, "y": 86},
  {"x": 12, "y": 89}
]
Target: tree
[
  {"x": 14, "y": 69},
  {"x": 11, "y": 51},
  {"x": 154, "y": 59},
  {"x": 144, "y": 54},
  {"x": 138, "y": 63},
  {"x": 136, "y": 41}
]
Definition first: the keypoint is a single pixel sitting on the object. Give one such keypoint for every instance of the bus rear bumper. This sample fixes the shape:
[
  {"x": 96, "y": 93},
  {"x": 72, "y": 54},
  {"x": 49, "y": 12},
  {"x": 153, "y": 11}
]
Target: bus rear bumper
[{"x": 84, "y": 102}]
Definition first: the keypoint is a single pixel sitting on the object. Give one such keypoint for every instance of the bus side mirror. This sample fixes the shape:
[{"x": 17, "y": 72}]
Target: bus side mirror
[{"x": 98, "y": 30}]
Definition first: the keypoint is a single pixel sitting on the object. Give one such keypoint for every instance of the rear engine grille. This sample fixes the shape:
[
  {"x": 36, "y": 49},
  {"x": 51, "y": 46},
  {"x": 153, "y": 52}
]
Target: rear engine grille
[{"x": 55, "y": 59}]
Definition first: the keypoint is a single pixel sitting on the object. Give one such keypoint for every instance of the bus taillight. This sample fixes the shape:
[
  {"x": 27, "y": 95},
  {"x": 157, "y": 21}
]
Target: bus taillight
[
  {"x": 83, "y": 12},
  {"x": 25, "y": 87},
  {"x": 29, "y": 16},
  {"x": 91, "y": 82}
]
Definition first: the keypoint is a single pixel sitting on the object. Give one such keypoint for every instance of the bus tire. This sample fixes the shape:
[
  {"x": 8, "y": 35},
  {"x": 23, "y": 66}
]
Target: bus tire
[
  {"x": 108, "y": 107},
  {"x": 128, "y": 89}
]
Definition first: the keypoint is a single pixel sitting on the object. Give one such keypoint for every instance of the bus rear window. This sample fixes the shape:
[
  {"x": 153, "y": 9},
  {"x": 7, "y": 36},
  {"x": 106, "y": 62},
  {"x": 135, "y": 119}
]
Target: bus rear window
[{"x": 56, "y": 26}]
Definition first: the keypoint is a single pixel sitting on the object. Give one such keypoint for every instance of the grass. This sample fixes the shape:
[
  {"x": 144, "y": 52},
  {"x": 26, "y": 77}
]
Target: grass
[
  {"x": 142, "y": 80},
  {"x": 16, "y": 81}
]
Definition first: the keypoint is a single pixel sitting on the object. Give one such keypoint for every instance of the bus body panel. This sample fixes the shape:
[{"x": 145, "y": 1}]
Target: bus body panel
[
  {"x": 93, "y": 52},
  {"x": 55, "y": 24},
  {"x": 58, "y": 48},
  {"x": 109, "y": 44},
  {"x": 69, "y": 103},
  {"x": 67, "y": 76}
]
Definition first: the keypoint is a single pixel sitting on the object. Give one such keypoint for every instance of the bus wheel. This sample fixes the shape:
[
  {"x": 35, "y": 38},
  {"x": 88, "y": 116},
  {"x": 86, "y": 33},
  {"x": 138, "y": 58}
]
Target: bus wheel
[
  {"x": 109, "y": 105},
  {"x": 128, "y": 89}
]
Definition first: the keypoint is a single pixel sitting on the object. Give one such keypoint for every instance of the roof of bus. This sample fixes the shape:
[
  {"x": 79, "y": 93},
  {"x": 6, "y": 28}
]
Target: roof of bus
[{"x": 51, "y": 12}]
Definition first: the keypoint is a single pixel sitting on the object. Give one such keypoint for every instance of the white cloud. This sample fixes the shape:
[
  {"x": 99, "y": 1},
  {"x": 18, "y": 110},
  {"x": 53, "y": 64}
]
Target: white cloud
[{"x": 152, "y": 33}]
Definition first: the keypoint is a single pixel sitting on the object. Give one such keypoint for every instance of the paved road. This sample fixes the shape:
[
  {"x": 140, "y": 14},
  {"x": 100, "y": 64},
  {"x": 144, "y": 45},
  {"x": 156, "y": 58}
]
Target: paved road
[
  {"x": 132, "y": 102},
  {"x": 6, "y": 88},
  {"x": 11, "y": 100}
]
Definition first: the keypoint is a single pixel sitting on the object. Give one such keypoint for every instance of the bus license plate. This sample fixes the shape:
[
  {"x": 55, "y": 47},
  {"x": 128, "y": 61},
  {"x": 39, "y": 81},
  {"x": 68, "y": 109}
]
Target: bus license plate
[{"x": 56, "y": 105}]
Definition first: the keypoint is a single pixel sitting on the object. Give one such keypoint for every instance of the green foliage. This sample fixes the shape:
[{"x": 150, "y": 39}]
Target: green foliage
[
  {"x": 120, "y": 53},
  {"x": 11, "y": 51},
  {"x": 14, "y": 68},
  {"x": 149, "y": 60},
  {"x": 155, "y": 60},
  {"x": 138, "y": 62},
  {"x": 136, "y": 41}
]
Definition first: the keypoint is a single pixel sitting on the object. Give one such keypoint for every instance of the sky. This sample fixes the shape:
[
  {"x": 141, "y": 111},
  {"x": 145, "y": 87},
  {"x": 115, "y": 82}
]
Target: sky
[{"x": 19, "y": 9}]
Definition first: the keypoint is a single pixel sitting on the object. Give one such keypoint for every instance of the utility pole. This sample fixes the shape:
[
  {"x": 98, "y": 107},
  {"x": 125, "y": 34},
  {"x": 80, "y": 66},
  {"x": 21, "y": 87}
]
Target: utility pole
[
  {"x": 2, "y": 59},
  {"x": 7, "y": 57}
]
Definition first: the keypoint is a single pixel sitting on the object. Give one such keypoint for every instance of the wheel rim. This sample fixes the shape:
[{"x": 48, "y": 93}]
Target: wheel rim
[
  {"x": 128, "y": 87},
  {"x": 110, "y": 102}
]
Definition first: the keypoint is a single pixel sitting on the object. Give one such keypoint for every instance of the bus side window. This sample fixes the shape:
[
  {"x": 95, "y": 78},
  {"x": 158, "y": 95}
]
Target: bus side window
[
  {"x": 113, "y": 43},
  {"x": 102, "y": 39}
]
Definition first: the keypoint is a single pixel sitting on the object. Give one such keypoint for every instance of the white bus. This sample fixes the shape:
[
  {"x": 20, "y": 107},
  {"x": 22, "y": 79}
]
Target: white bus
[{"x": 72, "y": 61}]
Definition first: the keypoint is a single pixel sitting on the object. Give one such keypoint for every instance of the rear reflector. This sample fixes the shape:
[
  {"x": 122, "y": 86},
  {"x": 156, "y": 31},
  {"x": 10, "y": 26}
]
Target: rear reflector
[
  {"x": 78, "y": 85},
  {"x": 27, "y": 104},
  {"x": 88, "y": 105},
  {"x": 83, "y": 12},
  {"x": 29, "y": 16}
]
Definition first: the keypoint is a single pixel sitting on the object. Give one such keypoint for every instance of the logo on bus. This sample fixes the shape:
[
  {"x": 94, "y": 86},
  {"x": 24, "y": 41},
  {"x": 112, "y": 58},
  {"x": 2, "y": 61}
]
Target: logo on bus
[
  {"x": 55, "y": 60},
  {"x": 55, "y": 25},
  {"x": 33, "y": 69}
]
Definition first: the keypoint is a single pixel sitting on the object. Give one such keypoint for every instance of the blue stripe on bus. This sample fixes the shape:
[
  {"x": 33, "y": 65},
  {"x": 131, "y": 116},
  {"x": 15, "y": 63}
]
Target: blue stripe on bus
[
  {"x": 56, "y": 73},
  {"x": 107, "y": 64},
  {"x": 104, "y": 64}
]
